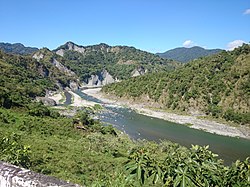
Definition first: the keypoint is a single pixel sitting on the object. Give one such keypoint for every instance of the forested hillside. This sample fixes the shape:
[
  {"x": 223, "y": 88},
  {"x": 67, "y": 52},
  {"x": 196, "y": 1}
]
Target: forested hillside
[
  {"x": 23, "y": 78},
  {"x": 218, "y": 85},
  {"x": 119, "y": 61},
  {"x": 183, "y": 54}
]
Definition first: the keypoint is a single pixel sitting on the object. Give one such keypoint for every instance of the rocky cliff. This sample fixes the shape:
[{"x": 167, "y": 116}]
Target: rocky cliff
[{"x": 100, "y": 79}]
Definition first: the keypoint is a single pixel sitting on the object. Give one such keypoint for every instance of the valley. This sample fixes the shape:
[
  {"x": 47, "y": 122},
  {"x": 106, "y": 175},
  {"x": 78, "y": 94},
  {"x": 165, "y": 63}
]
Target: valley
[
  {"x": 135, "y": 114},
  {"x": 125, "y": 93}
]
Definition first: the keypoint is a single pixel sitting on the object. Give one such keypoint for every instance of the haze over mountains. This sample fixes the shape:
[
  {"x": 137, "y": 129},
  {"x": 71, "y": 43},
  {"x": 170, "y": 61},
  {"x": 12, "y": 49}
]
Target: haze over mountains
[
  {"x": 183, "y": 54},
  {"x": 17, "y": 48}
]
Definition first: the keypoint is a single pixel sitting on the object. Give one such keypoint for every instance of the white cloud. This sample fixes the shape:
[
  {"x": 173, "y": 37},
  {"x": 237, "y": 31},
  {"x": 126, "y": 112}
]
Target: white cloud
[
  {"x": 247, "y": 11},
  {"x": 234, "y": 44},
  {"x": 188, "y": 43}
]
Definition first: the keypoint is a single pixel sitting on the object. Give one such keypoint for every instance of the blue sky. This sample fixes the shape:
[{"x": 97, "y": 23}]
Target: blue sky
[{"x": 151, "y": 25}]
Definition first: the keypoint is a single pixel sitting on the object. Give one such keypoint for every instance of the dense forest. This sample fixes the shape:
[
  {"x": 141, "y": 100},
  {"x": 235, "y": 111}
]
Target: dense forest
[
  {"x": 82, "y": 150},
  {"x": 23, "y": 78},
  {"x": 119, "y": 61},
  {"x": 218, "y": 85}
]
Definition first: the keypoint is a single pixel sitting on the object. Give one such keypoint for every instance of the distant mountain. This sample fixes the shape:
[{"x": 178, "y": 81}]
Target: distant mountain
[
  {"x": 17, "y": 48},
  {"x": 184, "y": 55}
]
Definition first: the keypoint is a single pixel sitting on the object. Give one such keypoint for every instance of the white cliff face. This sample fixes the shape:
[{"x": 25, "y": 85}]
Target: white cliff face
[
  {"x": 62, "y": 67},
  {"x": 38, "y": 56},
  {"x": 60, "y": 52},
  {"x": 100, "y": 79},
  {"x": 94, "y": 80},
  {"x": 73, "y": 85},
  {"x": 79, "y": 49},
  {"x": 71, "y": 47},
  {"x": 107, "y": 78},
  {"x": 74, "y": 47}
]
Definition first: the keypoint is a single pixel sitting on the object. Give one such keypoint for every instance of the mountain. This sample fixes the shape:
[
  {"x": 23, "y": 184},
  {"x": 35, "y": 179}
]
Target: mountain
[
  {"x": 84, "y": 151},
  {"x": 101, "y": 64},
  {"x": 217, "y": 85},
  {"x": 96, "y": 65},
  {"x": 17, "y": 48},
  {"x": 182, "y": 54}
]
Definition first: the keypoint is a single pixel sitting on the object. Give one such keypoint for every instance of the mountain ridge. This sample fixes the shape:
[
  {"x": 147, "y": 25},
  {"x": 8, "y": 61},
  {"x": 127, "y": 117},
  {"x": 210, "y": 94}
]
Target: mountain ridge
[
  {"x": 121, "y": 62},
  {"x": 183, "y": 54},
  {"x": 17, "y": 48}
]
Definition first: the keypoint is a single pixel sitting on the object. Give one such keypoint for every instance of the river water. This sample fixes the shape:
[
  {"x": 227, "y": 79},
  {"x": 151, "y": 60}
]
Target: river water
[{"x": 139, "y": 126}]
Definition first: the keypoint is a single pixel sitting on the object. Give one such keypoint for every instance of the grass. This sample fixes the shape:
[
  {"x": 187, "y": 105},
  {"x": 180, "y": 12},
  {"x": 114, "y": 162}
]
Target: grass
[{"x": 60, "y": 150}]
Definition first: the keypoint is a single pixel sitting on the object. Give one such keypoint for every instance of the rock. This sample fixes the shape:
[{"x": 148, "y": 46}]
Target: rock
[
  {"x": 38, "y": 56},
  {"x": 60, "y": 52},
  {"x": 107, "y": 78},
  {"x": 94, "y": 80},
  {"x": 72, "y": 47},
  {"x": 46, "y": 101},
  {"x": 62, "y": 68},
  {"x": 101, "y": 79},
  {"x": 138, "y": 71},
  {"x": 73, "y": 85},
  {"x": 13, "y": 176}
]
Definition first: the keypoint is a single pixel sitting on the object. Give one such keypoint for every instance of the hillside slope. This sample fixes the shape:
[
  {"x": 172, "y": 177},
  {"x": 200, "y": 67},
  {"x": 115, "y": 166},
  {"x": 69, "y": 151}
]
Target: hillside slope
[
  {"x": 182, "y": 54},
  {"x": 121, "y": 62},
  {"x": 23, "y": 78},
  {"x": 217, "y": 85}
]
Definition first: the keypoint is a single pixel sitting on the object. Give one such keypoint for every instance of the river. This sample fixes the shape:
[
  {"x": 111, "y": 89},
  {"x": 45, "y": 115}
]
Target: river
[{"x": 139, "y": 126}]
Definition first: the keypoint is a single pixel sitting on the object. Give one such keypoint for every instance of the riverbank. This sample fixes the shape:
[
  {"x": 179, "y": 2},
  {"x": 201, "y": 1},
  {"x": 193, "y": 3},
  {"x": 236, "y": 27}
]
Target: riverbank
[
  {"x": 76, "y": 100},
  {"x": 58, "y": 97},
  {"x": 201, "y": 124}
]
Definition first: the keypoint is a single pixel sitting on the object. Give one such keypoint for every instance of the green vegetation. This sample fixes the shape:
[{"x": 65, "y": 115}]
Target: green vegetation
[
  {"x": 217, "y": 85},
  {"x": 83, "y": 151},
  {"x": 119, "y": 61},
  {"x": 182, "y": 54},
  {"x": 23, "y": 78}
]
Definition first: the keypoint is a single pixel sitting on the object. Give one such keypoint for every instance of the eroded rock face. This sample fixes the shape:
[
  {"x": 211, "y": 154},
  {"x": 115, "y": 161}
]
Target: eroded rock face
[
  {"x": 46, "y": 101},
  {"x": 60, "y": 52},
  {"x": 13, "y": 176},
  {"x": 73, "y": 85},
  {"x": 62, "y": 68},
  {"x": 38, "y": 56},
  {"x": 72, "y": 47},
  {"x": 138, "y": 71},
  {"x": 100, "y": 79}
]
